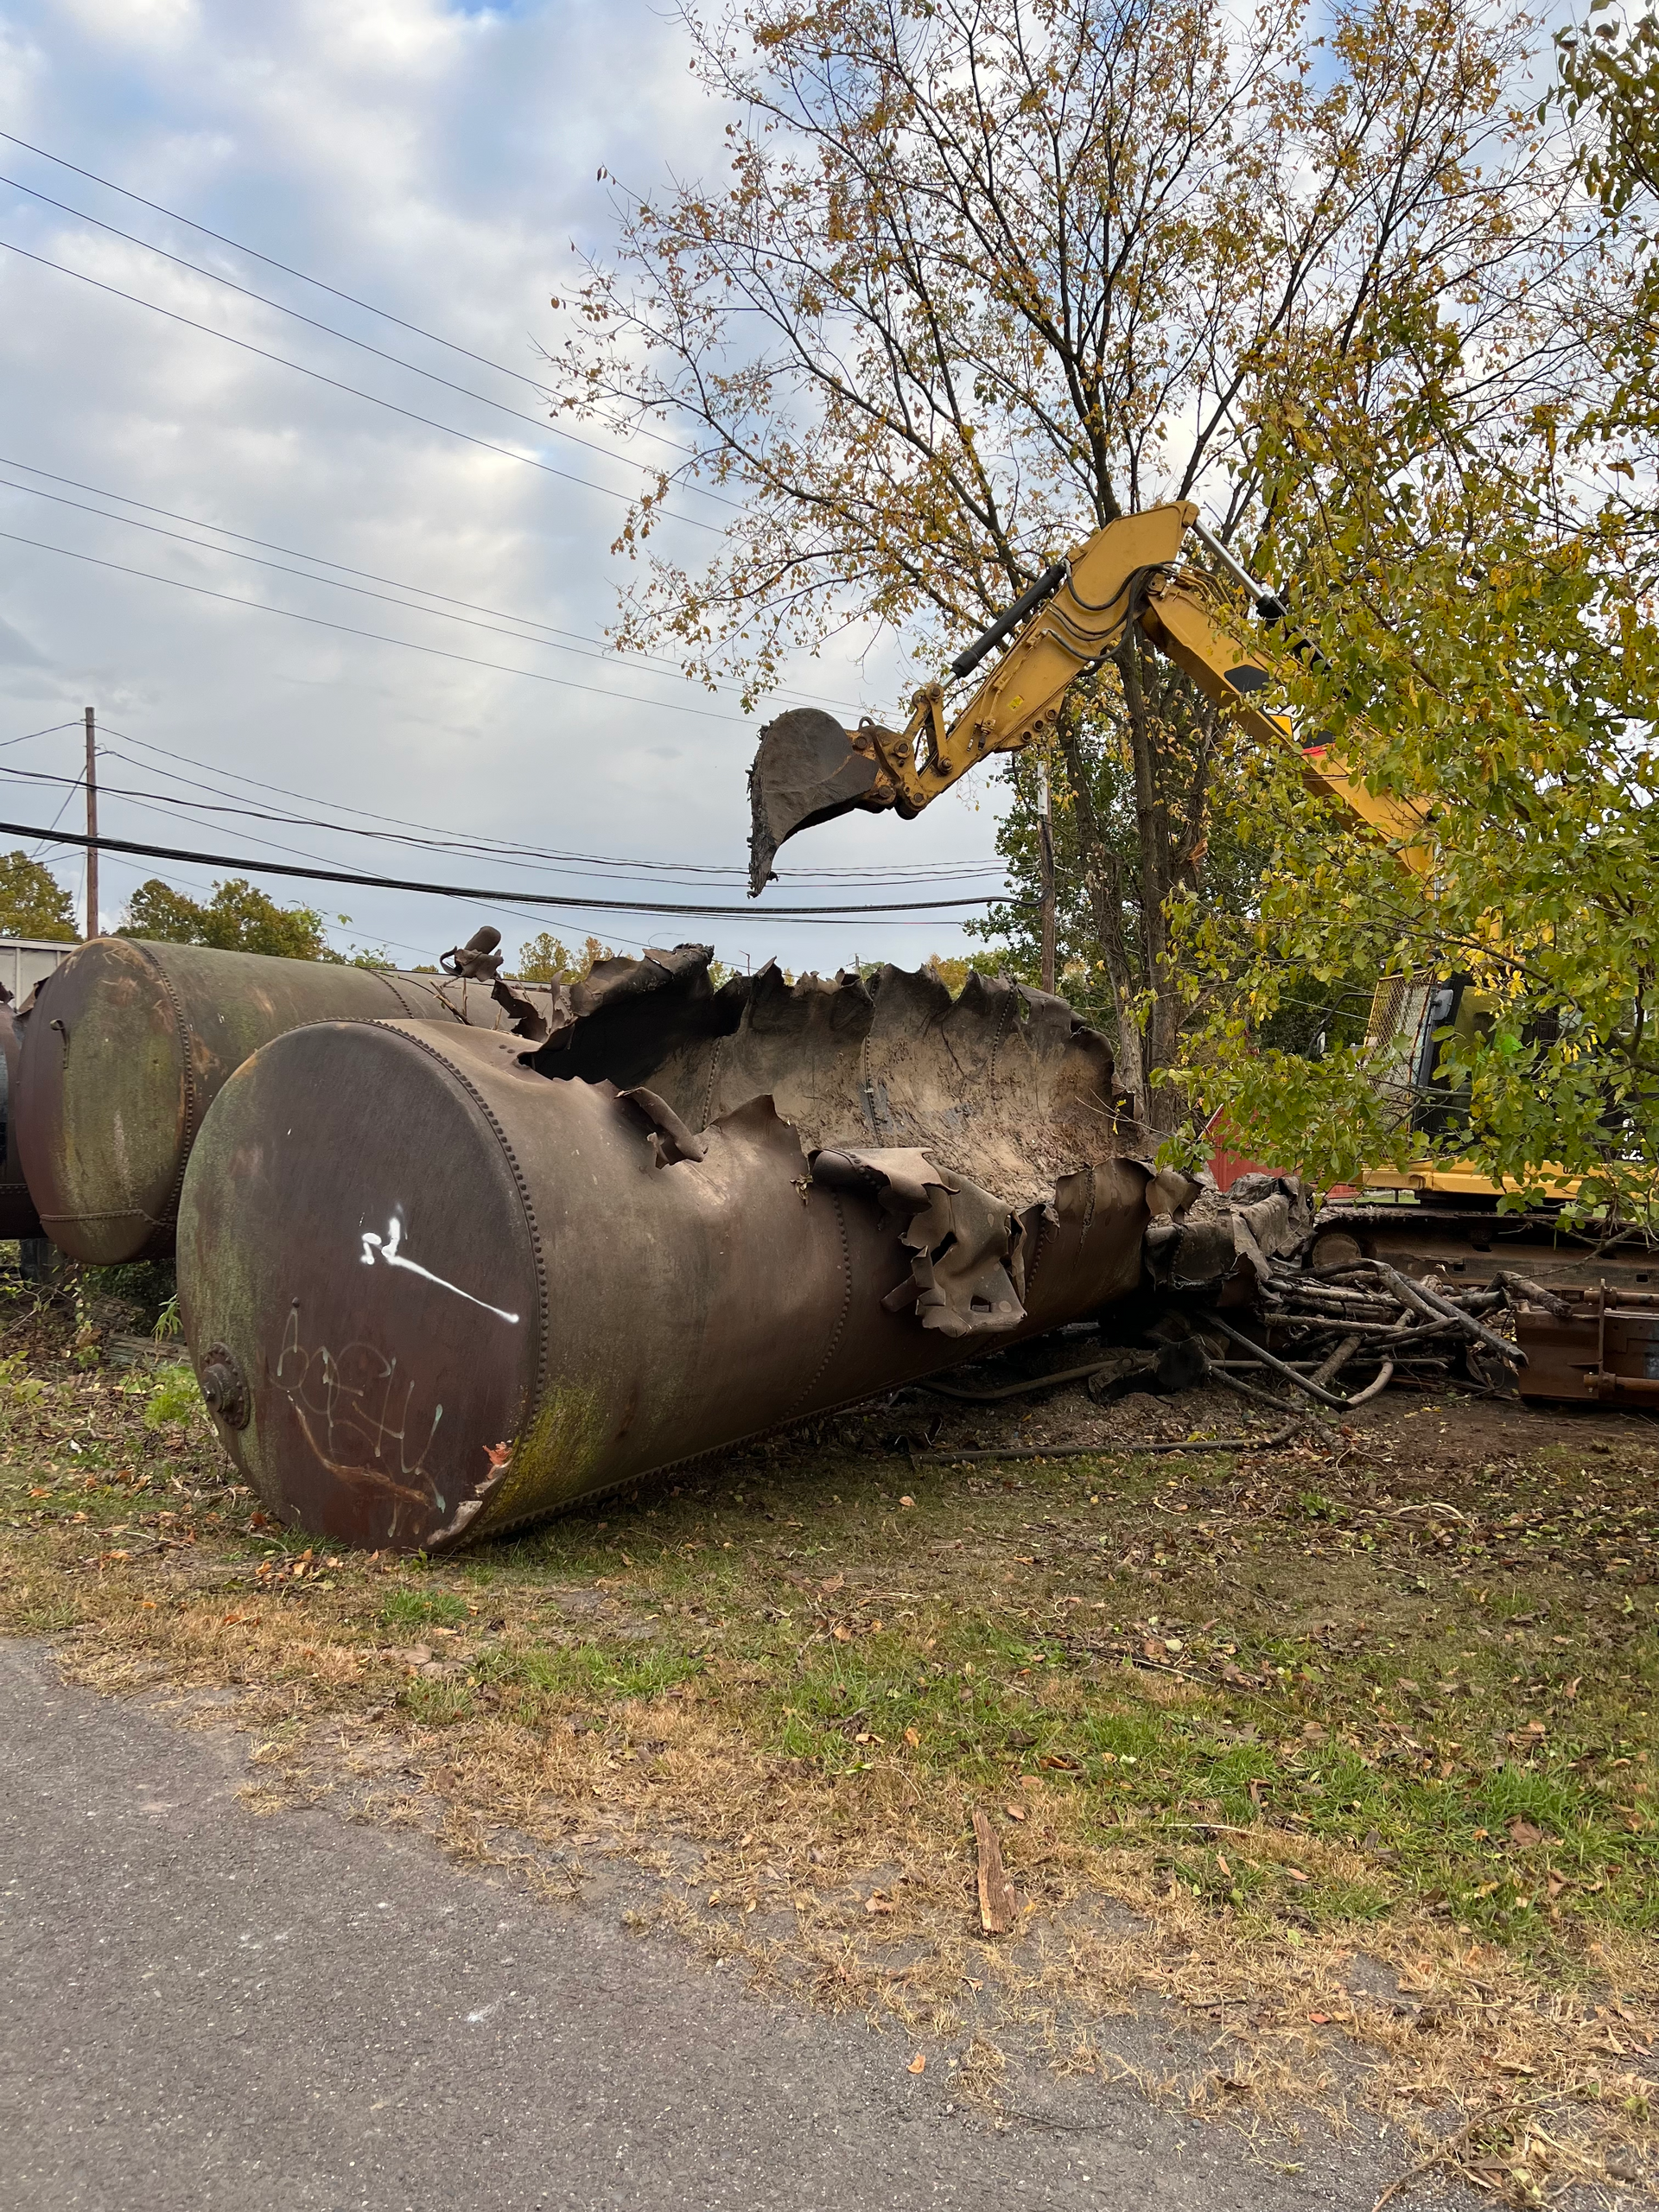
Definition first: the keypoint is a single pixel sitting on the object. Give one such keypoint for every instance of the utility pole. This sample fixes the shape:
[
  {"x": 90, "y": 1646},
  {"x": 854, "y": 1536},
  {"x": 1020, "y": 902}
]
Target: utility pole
[
  {"x": 1046, "y": 835},
  {"x": 91, "y": 823}
]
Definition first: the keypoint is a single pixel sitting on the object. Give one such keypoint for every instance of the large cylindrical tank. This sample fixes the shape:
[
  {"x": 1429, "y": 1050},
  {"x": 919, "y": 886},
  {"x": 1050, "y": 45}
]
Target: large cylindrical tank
[
  {"x": 17, "y": 1214},
  {"x": 432, "y": 1292},
  {"x": 128, "y": 1042}
]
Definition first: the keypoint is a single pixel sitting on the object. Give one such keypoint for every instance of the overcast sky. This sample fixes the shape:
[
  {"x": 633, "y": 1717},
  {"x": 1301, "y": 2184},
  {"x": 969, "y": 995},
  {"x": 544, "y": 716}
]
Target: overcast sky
[{"x": 437, "y": 161}]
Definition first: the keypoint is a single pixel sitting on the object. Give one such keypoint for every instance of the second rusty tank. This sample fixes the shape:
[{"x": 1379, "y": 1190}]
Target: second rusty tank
[
  {"x": 128, "y": 1042},
  {"x": 17, "y": 1215}
]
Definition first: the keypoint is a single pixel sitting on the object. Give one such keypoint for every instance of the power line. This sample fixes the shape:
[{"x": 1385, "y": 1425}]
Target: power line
[
  {"x": 360, "y": 591},
  {"x": 377, "y": 637},
  {"x": 469, "y": 890},
  {"x": 337, "y": 384},
  {"x": 930, "y": 871},
  {"x": 51, "y": 730},
  {"x": 253, "y": 252},
  {"x": 369, "y": 576},
  {"x": 168, "y": 804},
  {"x": 537, "y": 422}
]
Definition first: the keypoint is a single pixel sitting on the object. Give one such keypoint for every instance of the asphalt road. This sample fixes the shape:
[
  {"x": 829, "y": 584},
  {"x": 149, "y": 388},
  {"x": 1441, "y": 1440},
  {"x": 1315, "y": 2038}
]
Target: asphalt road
[{"x": 202, "y": 2008}]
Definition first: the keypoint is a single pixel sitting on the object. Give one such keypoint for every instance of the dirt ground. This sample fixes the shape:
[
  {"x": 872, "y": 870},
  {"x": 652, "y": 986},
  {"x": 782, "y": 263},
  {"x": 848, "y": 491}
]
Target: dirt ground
[{"x": 1323, "y": 1775}]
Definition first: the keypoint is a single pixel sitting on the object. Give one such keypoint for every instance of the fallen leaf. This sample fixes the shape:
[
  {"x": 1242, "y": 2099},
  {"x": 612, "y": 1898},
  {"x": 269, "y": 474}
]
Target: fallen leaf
[
  {"x": 918, "y": 2064},
  {"x": 912, "y": 1738},
  {"x": 842, "y": 1634},
  {"x": 911, "y": 1503},
  {"x": 835, "y": 1582},
  {"x": 1016, "y": 1812},
  {"x": 876, "y": 1904},
  {"x": 1571, "y": 1689},
  {"x": 1524, "y": 1832},
  {"x": 1297, "y": 1875},
  {"x": 1221, "y": 1861},
  {"x": 1320, "y": 2019}
]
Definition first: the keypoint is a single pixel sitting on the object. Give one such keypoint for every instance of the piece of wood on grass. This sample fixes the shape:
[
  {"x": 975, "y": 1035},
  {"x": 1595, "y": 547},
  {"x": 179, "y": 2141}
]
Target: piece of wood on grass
[{"x": 998, "y": 1906}]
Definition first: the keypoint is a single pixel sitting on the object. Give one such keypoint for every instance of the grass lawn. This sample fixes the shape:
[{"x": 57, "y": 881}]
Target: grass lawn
[{"x": 1342, "y": 1758}]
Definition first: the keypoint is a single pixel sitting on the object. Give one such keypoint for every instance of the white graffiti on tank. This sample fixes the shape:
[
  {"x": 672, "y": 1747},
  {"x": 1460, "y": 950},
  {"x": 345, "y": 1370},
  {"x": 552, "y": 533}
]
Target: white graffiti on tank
[
  {"x": 387, "y": 1249},
  {"x": 355, "y": 1413}
]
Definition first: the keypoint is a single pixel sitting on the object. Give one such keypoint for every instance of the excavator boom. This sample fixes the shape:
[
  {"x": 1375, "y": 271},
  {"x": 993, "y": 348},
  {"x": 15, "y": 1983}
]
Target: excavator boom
[{"x": 809, "y": 769}]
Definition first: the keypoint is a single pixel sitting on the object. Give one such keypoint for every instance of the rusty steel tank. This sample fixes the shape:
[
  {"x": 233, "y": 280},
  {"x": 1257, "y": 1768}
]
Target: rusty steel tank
[
  {"x": 17, "y": 1215},
  {"x": 127, "y": 1045},
  {"x": 436, "y": 1284}
]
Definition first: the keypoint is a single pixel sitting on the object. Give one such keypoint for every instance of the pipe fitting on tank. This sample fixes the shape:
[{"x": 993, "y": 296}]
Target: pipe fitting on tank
[{"x": 224, "y": 1386}]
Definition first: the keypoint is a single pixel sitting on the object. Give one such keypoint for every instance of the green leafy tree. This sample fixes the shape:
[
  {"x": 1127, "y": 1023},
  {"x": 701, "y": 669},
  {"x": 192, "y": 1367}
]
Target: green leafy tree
[
  {"x": 983, "y": 275},
  {"x": 1501, "y": 672},
  {"x": 238, "y": 917},
  {"x": 33, "y": 903},
  {"x": 549, "y": 959},
  {"x": 1482, "y": 597}
]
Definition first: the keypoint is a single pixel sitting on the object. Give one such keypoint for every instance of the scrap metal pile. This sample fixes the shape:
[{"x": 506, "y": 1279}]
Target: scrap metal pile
[{"x": 453, "y": 1252}]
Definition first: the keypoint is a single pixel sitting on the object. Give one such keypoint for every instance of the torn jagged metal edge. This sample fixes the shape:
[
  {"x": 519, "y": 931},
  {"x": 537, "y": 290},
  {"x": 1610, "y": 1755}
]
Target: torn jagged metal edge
[{"x": 1002, "y": 1085}]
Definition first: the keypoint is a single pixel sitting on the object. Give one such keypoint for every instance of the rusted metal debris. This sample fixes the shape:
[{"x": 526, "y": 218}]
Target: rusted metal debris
[
  {"x": 128, "y": 1042},
  {"x": 485, "y": 1282},
  {"x": 1591, "y": 1343},
  {"x": 1252, "y": 1291}
]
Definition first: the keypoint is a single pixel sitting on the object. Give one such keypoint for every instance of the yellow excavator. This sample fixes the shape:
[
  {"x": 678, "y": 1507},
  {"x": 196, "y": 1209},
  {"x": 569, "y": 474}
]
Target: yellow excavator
[{"x": 809, "y": 769}]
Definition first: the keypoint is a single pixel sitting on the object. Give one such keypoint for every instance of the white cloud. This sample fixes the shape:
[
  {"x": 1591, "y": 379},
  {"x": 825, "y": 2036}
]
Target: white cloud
[{"x": 435, "y": 162}]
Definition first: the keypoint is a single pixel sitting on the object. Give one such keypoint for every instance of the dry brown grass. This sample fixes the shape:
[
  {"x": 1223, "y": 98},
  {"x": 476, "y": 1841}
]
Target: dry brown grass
[{"x": 780, "y": 1692}]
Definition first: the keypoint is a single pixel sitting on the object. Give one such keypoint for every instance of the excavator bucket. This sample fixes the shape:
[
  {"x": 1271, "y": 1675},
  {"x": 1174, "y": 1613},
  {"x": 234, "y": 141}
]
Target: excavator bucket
[{"x": 809, "y": 769}]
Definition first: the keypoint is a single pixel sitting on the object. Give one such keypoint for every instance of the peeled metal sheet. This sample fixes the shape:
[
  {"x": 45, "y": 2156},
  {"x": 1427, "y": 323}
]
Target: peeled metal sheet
[
  {"x": 433, "y": 1287},
  {"x": 128, "y": 1042}
]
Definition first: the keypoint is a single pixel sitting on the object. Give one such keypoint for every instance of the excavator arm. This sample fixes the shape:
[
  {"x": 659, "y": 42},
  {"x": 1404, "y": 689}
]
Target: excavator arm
[{"x": 809, "y": 769}]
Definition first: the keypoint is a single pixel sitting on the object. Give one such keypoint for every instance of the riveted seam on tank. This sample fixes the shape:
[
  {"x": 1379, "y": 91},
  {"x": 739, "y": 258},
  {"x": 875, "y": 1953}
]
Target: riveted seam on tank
[
  {"x": 834, "y": 1344},
  {"x": 1039, "y": 1245},
  {"x": 169, "y": 1219},
  {"x": 1002, "y": 1028},
  {"x": 714, "y": 1077},
  {"x": 544, "y": 1315}
]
